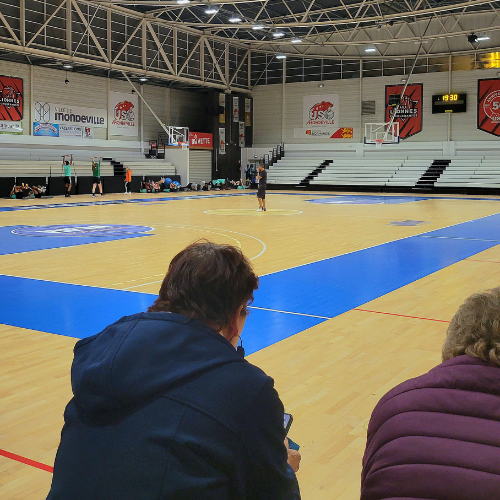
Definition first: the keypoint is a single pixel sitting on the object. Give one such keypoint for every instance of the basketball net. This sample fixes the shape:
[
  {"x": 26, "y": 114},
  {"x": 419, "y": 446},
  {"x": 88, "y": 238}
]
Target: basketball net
[{"x": 378, "y": 143}]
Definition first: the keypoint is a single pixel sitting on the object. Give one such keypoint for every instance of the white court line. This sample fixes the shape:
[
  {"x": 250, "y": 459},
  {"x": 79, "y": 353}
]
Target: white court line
[{"x": 289, "y": 312}]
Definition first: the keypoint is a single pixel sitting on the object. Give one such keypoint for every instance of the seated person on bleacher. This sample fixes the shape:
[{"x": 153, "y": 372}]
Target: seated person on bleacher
[{"x": 437, "y": 436}]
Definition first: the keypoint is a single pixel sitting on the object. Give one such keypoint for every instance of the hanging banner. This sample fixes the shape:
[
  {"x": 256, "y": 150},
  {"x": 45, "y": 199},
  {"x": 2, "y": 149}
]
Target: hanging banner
[
  {"x": 11, "y": 99},
  {"x": 88, "y": 133},
  {"x": 320, "y": 115},
  {"x": 242, "y": 134},
  {"x": 222, "y": 108},
  {"x": 200, "y": 140},
  {"x": 47, "y": 112},
  {"x": 11, "y": 127},
  {"x": 222, "y": 141},
  {"x": 74, "y": 131},
  {"x": 45, "y": 129},
  {"x": 123, "y": 114},
  {"x": 409, "y": 113},
  {"x": 488, "y": 105},
  {"x": 236, "y": 109},
  {"x": 248, "y": 112}
]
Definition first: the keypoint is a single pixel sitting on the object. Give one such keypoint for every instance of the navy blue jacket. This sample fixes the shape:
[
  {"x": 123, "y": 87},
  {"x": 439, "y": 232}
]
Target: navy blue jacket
[{"x": 164, "y": 408}]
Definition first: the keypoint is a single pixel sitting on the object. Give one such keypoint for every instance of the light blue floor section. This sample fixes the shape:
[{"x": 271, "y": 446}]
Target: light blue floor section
[{"x": 325, "y": 288}]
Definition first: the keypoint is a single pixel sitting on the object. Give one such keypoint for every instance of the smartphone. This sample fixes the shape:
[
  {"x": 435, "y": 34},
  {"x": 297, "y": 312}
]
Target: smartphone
[{"x": 288, "y": 422}]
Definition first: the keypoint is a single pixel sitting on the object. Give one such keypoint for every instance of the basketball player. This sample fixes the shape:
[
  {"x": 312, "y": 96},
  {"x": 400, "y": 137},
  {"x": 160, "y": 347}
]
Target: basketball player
[
  {"x": 96, "y": 176},
  {"x": 67, "y": 178},
  {"x": 128, "y": 178},
  {"x": 261, "y": 190}
]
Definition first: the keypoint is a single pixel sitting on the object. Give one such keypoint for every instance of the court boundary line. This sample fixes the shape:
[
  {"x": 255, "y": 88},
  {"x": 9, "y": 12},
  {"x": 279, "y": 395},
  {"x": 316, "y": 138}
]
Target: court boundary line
[
  {"x": 26, "y": 461},
  {"x": 290, "y": 312},
  {"x": 400, "y": 315}
]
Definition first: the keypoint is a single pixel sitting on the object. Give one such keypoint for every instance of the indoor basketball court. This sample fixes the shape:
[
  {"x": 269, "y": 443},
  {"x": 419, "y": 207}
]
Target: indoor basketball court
[{"x": 377, "y": 124}]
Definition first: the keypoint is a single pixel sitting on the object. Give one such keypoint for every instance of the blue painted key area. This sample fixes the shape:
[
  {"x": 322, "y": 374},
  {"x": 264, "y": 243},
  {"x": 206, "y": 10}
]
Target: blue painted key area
[{"x": 325, "y": 288}]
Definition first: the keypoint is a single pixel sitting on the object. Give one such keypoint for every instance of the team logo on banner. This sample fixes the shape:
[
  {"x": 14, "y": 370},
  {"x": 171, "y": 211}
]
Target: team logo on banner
[
  {"x": 11, "y": 99},
  {"x": 488, "y": 105},
  {"x": 122, "y": 110},
  {"x": 320, "y": 112},
  {"x": 409, "y": 112}
]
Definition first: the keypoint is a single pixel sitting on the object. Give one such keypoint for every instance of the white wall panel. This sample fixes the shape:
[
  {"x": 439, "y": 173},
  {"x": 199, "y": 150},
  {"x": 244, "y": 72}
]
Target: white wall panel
[
  {"x": 200, "y": 165},
  {"x": 266, "y": 114}
]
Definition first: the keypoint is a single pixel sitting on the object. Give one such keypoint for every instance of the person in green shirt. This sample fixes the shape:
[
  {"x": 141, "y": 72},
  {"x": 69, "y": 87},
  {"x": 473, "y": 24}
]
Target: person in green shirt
[
  {"x": 96, "y": 176},
  {"x": 67, "y": 177}
]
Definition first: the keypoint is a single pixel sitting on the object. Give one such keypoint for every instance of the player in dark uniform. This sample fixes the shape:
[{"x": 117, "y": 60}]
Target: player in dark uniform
[{"x": 261, "y": 190}]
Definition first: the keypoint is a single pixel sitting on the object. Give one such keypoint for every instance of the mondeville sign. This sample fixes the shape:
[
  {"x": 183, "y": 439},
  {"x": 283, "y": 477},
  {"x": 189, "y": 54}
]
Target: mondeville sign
[{"x": 47, "y": 112}]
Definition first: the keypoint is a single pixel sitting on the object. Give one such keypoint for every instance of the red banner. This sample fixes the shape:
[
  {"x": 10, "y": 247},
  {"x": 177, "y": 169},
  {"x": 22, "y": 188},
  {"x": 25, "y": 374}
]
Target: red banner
[
  {"x": 343, "y": 133},
  {"x": 201, "y": 140},
  {"x": 409, "y": 113},
  {"x": 11, "y": 98},
  {"x": 488, "y": 105}
]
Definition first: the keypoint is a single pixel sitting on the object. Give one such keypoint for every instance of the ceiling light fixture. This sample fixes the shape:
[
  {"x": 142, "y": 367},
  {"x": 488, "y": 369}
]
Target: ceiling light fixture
[
  {"x": 143, "y": 79},
  {"x": 211, "y": 10},
  {"x": 67, "y": 66},
  {"x": 181, "y": 2},
  {"x": 296, "y": 40},
  {"x": 278, "y": 34},
  {"x": 371, "y": 49},
  {"x": 258, "y": 27},
  {"x": 482, "y": 38},
  {"x": 235, "y": 19},
  {"x": 281, "y": 56},
  {"x": 472, "y": 38},
  {"x": 321, "y": 85}
]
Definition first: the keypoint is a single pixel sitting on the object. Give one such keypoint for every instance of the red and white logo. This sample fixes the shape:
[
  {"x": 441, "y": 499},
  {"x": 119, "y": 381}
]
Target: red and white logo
[
  {"x": 124, "y": 113},
  {"x": 10, "y": 98},
  {"x": 200, "y": 139},
  {"x": 321, "y": 113},
  {"x": 491, "y": 105}
]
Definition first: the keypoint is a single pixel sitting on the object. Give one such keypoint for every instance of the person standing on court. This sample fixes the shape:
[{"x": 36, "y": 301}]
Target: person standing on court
[
  {"x": 128, "y": 178},
  {"x": 67, "y": 178},
  {"x": 96, "y": 176},
  {"x": 166, "y": 407},
  {"x": 261, "y": 190}
]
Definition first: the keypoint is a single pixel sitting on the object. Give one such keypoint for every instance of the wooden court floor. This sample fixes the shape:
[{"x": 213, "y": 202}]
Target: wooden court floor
[{"x": 329, "y": 376}]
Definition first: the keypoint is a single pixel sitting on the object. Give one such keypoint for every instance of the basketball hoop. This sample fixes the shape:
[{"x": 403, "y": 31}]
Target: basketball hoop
[
  {"x": 184, "y": 145},
  {"x": 378, "y": 143}
]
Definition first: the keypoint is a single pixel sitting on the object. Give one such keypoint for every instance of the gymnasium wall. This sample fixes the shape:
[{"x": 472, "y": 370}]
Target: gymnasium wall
[
  {"x": 278, "y": 108},
  {"x": 91, "y": 92}
]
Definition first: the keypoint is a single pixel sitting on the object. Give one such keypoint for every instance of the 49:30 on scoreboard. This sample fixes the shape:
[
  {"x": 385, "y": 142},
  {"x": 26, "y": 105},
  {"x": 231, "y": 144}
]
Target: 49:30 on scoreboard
[{"x": 449, "y": 103}]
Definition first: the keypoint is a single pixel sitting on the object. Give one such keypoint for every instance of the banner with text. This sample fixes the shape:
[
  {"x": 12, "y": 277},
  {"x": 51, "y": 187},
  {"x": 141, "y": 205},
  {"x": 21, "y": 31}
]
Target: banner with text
[
  {"x": 45, "y": 129},
  {"x": 488, "y": 105},
  {"x": 222, "y": 108},
  {"x": 123, "y": 114},
  {"x": 320, "y": 115},
  {"x": 248, "y": 112},
  {"x": 236, "y": 109},
  {"x": 200, "y": 140},
  {"x": 11, "y": 98},
  {"x": 222, "y": 141},
  {"x": 47, "y": 112},
  {"x": 11, "y": 127},
  {"x": 242, "y": 134},
  {"x": 409, "y": 112}
]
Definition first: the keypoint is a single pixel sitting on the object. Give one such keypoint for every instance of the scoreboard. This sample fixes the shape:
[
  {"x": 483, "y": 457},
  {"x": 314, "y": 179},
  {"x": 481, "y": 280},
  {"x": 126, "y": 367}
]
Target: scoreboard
[{"x": 449, "y": 103}]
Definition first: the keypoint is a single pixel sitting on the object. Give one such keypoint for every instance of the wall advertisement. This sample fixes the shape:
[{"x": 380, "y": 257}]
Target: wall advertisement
[
  {"x": 62, "y": 114},
  {"x": 488, "y": 105},
  {"x": 409, "y": 112},
  {"x": 65, "y": 131},
  {"x": 320, "y": 116},
  {"x": 222, "y": 141},
  {"x": 236, "y": 109},
  {"x": 242, "y": 134},
  {"x": 222, "y": 108},
  {"x": 123, "y": 114},
  {"x": 248, "y": 112},
  {"x": 200, "y": 140},
  {"x": 11, "y": 99},
  {"x": 45, "y": 129},
  {"x": 7, "y": 127}
]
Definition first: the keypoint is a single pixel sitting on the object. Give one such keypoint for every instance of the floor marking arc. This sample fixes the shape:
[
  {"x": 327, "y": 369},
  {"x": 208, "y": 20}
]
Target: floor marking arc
[{"x": 400, "y": 315}]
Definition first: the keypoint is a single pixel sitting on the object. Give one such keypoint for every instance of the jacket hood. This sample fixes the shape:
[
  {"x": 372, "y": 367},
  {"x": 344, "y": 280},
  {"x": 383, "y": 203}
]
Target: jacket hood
[{"x": 142, "y": 356}]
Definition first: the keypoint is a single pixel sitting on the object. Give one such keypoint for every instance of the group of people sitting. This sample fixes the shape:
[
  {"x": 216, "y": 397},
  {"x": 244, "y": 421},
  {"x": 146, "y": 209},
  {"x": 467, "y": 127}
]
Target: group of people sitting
[
  {"x": 166, "y": 406},
  {"x": 26, "y": 191},
  {"x": 166, "y": 184}
]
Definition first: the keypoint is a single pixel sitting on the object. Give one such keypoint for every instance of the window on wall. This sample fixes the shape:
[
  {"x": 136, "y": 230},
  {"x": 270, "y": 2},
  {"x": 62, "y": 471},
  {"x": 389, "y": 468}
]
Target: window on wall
[
  {"x": 295, "y": 70},
  {"x": 372, "y": 68},
  {"x": 393, "y": 67}
]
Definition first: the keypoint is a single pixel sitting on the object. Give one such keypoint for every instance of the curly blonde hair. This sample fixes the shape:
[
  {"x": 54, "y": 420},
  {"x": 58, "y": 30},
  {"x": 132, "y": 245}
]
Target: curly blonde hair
[{"x": 475, "y": 328}]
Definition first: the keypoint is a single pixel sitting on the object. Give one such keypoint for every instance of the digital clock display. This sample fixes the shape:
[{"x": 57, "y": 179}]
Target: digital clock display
[{"x": 449, "y": 103}]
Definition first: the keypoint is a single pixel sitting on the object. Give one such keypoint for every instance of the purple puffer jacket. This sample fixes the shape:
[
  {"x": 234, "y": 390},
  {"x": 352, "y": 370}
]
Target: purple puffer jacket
[{"x": 437, "y": 436}]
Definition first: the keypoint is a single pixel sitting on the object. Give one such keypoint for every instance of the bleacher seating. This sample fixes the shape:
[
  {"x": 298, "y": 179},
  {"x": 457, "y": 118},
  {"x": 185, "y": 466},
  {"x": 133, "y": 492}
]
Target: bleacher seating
[{"x": 471, "y": 172}]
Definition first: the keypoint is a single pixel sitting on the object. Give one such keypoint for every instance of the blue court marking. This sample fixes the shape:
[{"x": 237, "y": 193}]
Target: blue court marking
[
  {"x": 368, "y": 200},
  {"x": 407, "y": 222},
  {"x": 120, "y": 202},
  {"x": 81, "y": 311},
  {"x": 17, "y": 243},
  {"x": 325, "y": 288}
]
